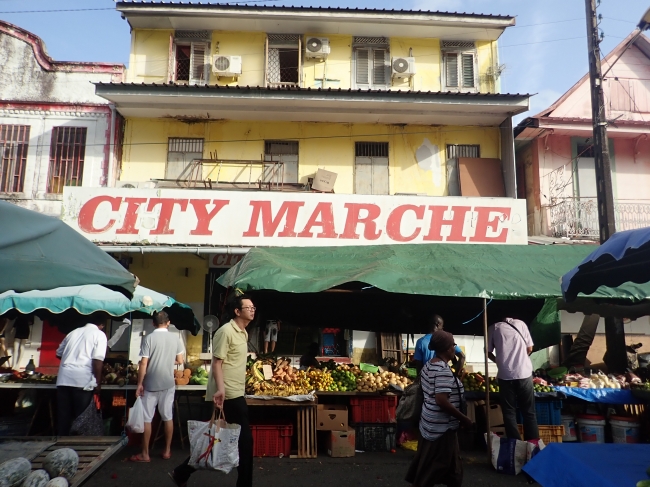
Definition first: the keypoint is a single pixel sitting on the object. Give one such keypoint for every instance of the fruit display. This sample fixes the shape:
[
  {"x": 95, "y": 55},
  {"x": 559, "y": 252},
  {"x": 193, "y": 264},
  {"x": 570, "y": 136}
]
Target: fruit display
[
  {"x": 199, "y": 377},
  {"x": 27, "y": 378},
  {"x": 380, "y": 381},
  {"x": 120, "y": 374},
  {"x": 344, "y": 379},
  {"x": 59, "y": 468},
  {"x": 285, "y": 381},
  {"x": 475, "y": 382},
  {"x": 182, "y": 377}
]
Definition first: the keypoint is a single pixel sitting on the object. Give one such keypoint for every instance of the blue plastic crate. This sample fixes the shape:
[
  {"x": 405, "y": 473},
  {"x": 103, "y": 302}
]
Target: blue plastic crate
[{"x": 548, "y": 413}]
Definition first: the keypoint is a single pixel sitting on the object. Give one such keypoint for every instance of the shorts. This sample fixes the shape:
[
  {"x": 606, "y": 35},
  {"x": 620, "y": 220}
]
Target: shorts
[
  {"x": 271, "y": 333},
  {"x": 164, "y": 400}
]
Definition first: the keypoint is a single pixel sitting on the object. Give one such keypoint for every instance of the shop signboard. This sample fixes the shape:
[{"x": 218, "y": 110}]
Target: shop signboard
[{"x": 279, "y": 219}]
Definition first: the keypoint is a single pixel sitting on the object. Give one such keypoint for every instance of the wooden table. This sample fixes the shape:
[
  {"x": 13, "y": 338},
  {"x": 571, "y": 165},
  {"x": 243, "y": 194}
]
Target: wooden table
[{"x": 305, "y": 422}]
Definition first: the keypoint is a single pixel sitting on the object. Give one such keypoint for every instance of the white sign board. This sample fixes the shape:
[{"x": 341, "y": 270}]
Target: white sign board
[{"x": 278, "y": 219}]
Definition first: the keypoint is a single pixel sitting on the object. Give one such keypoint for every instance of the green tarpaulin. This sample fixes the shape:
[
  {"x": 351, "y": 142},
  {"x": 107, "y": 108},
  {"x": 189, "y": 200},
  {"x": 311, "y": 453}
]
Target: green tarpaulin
[{"x": 499, "y": 272}]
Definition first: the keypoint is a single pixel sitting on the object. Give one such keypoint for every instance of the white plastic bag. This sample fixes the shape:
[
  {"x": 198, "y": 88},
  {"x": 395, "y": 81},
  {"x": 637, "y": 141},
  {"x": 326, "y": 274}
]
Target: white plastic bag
[
  {"x": 135, "y": 424},
  {"x": 510, "y": 455},
  {"x": 214, "y": 445}
]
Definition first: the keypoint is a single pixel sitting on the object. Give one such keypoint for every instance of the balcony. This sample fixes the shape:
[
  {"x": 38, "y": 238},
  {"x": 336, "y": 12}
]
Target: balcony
[{"x": 578, "y": 217}]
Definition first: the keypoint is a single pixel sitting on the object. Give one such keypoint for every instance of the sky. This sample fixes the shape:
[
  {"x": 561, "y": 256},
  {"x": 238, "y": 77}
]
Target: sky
[{"x": 544, "y": 54}]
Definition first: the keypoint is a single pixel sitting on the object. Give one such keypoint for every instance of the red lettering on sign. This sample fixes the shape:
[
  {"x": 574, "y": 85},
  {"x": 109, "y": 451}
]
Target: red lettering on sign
[
  {"x": 131, "y": 216},
  {"x": 203, "y": 216},
  {"x": 394, "y": 223},
  {"x": 166, "y": 210},
  {"x": 490, "y": 217},
  {"x": 353, "y": 219},
  {"x": 87, "y": 213},
  {"x": 270, "y": 224},
  {"x": 323, "y": 216},
  {"x": 457, "y": 223}
]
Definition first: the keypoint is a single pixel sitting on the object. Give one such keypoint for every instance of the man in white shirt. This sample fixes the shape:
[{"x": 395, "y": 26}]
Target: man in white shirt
[{"x": 82, "y": 354}]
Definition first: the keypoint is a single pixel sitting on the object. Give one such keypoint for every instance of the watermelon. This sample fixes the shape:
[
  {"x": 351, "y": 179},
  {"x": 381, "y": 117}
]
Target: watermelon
[
  {"x": 57, "y": 482},
  {"x": 38, "y": 478},
  {"x": 61, "y": 463},
  {"x": 14, "y": 471}
]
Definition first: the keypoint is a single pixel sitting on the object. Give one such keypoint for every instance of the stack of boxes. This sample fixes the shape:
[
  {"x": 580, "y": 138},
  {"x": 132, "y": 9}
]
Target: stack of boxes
[
  {"x": 374, "y": 422},
  {"x": 340, "y": 437}
]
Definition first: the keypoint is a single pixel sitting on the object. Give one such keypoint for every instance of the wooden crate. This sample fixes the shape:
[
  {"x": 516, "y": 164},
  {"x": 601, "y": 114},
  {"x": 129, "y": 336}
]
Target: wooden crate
[
  {"x": 306, "y": 432},
  {"x": 548, "y": 434}
]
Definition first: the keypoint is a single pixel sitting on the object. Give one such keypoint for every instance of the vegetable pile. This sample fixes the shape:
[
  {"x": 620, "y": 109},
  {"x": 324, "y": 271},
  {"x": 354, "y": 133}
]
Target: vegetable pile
[{"x": 59, "y": 468}]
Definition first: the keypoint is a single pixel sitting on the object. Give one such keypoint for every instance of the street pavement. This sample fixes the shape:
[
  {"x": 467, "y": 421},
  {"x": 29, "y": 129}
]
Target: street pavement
[{"x": 364, "y": 469}]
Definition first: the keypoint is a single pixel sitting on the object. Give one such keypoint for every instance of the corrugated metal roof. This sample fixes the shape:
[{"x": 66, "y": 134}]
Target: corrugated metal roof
[
  {"x": 276, "y": 8},
  {"x": 314, "y": 90}
]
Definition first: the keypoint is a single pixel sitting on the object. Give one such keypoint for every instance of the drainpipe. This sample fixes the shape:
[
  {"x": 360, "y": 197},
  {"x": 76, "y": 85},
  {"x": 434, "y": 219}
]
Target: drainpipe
[{"x": 110, "y": 179}]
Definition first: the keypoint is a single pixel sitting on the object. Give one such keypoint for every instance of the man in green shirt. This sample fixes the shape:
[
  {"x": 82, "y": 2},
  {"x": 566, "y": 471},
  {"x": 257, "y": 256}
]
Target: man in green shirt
[{"x": 226, "y": 387}]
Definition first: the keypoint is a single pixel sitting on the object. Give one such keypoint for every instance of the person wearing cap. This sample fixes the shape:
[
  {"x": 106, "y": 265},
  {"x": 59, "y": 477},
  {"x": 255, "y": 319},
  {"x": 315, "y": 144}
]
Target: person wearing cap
[{"x": 437, "y": 460}]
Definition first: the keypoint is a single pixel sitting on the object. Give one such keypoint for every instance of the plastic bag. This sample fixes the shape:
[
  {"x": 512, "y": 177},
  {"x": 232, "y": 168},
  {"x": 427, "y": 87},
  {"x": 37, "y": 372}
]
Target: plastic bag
[
  {"x": 409, "y": 407},
  {"x": 510, "y": 455},
  {"x": 135, "y": 423},
  {"x": 214, "y": 445},
  {"x": 90, "y": 422}
]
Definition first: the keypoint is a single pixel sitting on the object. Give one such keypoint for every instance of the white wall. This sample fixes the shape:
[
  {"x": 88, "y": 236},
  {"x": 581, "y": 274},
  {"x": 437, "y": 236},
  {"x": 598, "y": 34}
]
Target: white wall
[{"x": 571, "y": 323}]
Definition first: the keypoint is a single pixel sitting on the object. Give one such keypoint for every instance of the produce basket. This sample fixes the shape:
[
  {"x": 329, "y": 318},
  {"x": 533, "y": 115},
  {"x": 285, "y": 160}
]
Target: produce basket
[
  {"x": 272, "y": 440},
  {"x": 375, "y": 437},
  {"x": 373, "y": 409},
  {"x": 548, "y": 434}
]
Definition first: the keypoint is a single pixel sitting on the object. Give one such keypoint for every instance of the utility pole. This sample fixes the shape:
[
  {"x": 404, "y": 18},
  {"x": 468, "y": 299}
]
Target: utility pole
[{"x": 614, "y": 331}]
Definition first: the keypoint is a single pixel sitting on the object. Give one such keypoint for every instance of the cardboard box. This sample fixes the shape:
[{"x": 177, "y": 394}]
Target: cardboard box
[
  {"x": 331, "y": 417},
  {"x": 495, "y": 413},
  {"x": 324, "y": 181},
  {"x": 340, "y": 444}
]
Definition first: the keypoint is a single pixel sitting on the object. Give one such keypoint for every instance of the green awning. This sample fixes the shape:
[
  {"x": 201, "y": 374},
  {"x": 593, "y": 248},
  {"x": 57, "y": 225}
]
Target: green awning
[{"x": 480, "y": 271}]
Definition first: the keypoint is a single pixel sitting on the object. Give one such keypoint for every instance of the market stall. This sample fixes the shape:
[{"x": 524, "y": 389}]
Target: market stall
[{"x": 391, "y": 288}]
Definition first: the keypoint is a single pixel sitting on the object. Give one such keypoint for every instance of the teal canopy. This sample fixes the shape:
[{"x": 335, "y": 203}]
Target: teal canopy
[
  {"x": 91, "y": 298},
  {"x": 41, "y": 252}
]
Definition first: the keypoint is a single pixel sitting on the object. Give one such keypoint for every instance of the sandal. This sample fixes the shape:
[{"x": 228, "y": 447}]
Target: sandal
[
  {"x": 166, "y": 457},
  {"x": 138, "y": 459}
]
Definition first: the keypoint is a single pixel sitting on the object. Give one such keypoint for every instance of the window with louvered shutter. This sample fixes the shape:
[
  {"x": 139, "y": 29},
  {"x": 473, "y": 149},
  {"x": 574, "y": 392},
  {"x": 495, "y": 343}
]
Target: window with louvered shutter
[
  {"x": 451, "y": 70},
  {"x": 371, "y": 69},
  {"x": 378, "y": 67},
  {"x": 363, "y": 77},
  {"x": 468, "y": 70},
  {"x": 198, "y": 63}
]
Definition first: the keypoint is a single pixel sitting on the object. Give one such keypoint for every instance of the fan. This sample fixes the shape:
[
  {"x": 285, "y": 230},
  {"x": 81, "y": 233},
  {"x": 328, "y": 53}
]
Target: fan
[
  {"x": 400, "y": 65},
  {"x": 221, "y": 63},
  {"x": 314, "y": 44},
  {"x": 210, "y": 325}
]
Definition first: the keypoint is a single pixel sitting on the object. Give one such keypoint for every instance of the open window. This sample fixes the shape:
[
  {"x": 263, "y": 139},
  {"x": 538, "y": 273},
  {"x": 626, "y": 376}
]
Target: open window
[
  {"x": 189, "y": 57},
  {"x": 459, "y": 66},
  {"x": 371, "y": 58},
  {"x": 283, "y": 60}
]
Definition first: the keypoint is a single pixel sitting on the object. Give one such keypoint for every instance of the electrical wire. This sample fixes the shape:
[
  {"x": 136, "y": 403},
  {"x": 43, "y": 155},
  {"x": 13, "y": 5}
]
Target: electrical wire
[{"x": 482, "y": 311}]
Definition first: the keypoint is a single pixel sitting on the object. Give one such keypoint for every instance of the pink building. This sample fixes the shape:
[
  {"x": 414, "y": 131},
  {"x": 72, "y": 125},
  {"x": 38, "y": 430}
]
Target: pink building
[{"x": 554, "y": 151}]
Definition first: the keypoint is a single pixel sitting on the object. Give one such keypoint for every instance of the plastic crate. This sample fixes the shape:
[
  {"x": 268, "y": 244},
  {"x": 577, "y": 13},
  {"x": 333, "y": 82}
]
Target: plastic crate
[
  {"x": 547, "y": 412},
  {"x": 376, "y": 437},
  {"x": 373, "y": 409},
  {"x": 548, "y": 434},
  {"x": 14, "y": 426},
  {"x": 272, "y": 440}
]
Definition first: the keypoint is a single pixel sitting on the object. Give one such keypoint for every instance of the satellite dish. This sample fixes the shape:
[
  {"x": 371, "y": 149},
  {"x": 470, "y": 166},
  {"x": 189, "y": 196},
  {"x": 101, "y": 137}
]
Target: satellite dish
[{"x": 210, "y": 325}]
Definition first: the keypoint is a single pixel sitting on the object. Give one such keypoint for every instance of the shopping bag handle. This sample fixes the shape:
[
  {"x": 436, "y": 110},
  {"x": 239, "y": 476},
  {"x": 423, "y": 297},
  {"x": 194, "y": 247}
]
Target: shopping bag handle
[{"x": 215, "y": 419}]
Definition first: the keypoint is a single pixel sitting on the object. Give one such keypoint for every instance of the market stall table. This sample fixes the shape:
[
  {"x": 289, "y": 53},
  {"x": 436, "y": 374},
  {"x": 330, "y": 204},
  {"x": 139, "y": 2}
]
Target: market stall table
[
  {"x": 305, "y": 422},
  {"x": 589, "y": 464}
]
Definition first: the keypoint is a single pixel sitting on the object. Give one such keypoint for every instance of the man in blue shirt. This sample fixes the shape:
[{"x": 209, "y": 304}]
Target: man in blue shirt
[{"x": 423, "y": 354}]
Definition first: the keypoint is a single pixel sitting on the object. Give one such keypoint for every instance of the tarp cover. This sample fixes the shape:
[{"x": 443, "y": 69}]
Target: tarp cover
[
  {"x": 480, "y": 271},
  {"x": 41, "y": 252}
]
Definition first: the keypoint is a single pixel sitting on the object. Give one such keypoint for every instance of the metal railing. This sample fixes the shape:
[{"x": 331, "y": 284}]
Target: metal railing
[{"x": 578, "y": 217}]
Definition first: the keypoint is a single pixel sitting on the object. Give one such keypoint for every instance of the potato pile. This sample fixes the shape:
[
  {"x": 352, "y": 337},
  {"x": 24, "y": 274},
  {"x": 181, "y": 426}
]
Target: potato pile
[{"x": 379, "y": 381}]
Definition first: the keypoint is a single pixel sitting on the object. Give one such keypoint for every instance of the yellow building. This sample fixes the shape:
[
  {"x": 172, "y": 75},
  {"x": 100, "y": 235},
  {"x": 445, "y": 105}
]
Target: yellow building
[{"x": 258, "y": 99}]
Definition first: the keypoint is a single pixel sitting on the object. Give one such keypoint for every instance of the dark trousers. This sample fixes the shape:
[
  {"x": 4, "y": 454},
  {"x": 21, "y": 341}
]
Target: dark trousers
[
  {"x": 71, "y": 402},
  {"x": 518, "y": 392},
  {"x": 235, "y": 411}
]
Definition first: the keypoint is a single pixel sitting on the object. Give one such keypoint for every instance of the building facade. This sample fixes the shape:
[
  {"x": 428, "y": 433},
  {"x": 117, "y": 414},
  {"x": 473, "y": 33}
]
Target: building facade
[
  {"x": 285, "y": 126},
  {"x": 54, "y": 130},
  {"x": 555, "y": 160}
]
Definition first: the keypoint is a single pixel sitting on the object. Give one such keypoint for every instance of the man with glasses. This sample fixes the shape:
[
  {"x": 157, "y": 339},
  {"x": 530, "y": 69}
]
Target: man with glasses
[{"x": 226, "y": 387}]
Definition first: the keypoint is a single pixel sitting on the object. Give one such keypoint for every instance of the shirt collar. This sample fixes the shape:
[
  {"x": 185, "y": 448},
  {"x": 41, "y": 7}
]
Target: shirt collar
[
  {"x": 160, "y": 329},
  {"x": 236, "y": 327}
]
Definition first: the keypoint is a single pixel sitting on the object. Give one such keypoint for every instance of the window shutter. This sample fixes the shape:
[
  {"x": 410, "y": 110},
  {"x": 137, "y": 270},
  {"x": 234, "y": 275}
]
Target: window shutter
[
  {"x": 379, "y": 68},
  {"x": 451, "y": 70},
  {"x": 171, "y": 62},
  {"x": 468, "y": 70},
  {"x": 198, "y": 60},
  {"x": 362, "y": 74}
]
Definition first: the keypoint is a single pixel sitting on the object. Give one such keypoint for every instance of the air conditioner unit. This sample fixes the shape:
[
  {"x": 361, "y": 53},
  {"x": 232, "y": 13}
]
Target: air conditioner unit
[
  {"x": 403, "y": 67},
  {"x": 228, "y": 66},
  {"x": 135, "y": 184},
  {"x": 317, "y": 47}
]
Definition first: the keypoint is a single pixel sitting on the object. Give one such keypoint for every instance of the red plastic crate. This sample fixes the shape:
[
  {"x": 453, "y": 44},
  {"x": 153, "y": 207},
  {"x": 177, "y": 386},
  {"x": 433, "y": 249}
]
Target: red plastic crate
[
  {"x": 272, "y": 440},
  {"x": 373, "y": 409}
]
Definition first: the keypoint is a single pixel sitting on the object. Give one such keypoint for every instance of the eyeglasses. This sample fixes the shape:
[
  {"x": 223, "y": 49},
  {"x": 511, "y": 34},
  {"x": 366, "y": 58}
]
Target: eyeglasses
[{"x": 252, "y": 308}]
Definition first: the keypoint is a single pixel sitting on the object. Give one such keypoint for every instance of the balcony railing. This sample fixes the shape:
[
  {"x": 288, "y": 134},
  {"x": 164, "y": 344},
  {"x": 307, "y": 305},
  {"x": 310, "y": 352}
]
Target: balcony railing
[{"x": 578, "y": 217}]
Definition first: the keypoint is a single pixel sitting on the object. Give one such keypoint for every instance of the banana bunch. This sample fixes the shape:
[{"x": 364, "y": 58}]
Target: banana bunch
[{"x": 279, "y": 389}]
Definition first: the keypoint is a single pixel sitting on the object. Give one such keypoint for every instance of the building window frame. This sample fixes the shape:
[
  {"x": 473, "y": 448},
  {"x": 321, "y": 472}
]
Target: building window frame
[
  {"x": 290, "y": 150},
  {"x": 184, "y": 149},
  {"x": 279, "y": 49},
  {"x": 371, "y": 168},
  {"x": 197, "y": 43},
  {"x": 454, "y": 75},
  {"x": 67, "y": 158},
  {"x": 378, "y": 76},
  {"x": 14, "y": 145}
]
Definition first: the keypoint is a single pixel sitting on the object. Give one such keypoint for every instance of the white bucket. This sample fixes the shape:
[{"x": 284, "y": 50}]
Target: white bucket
[
  {"x": 591, "y": 430},
  {"x": 625, "y": 430},
  {"x": 569, "y": 423}
]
